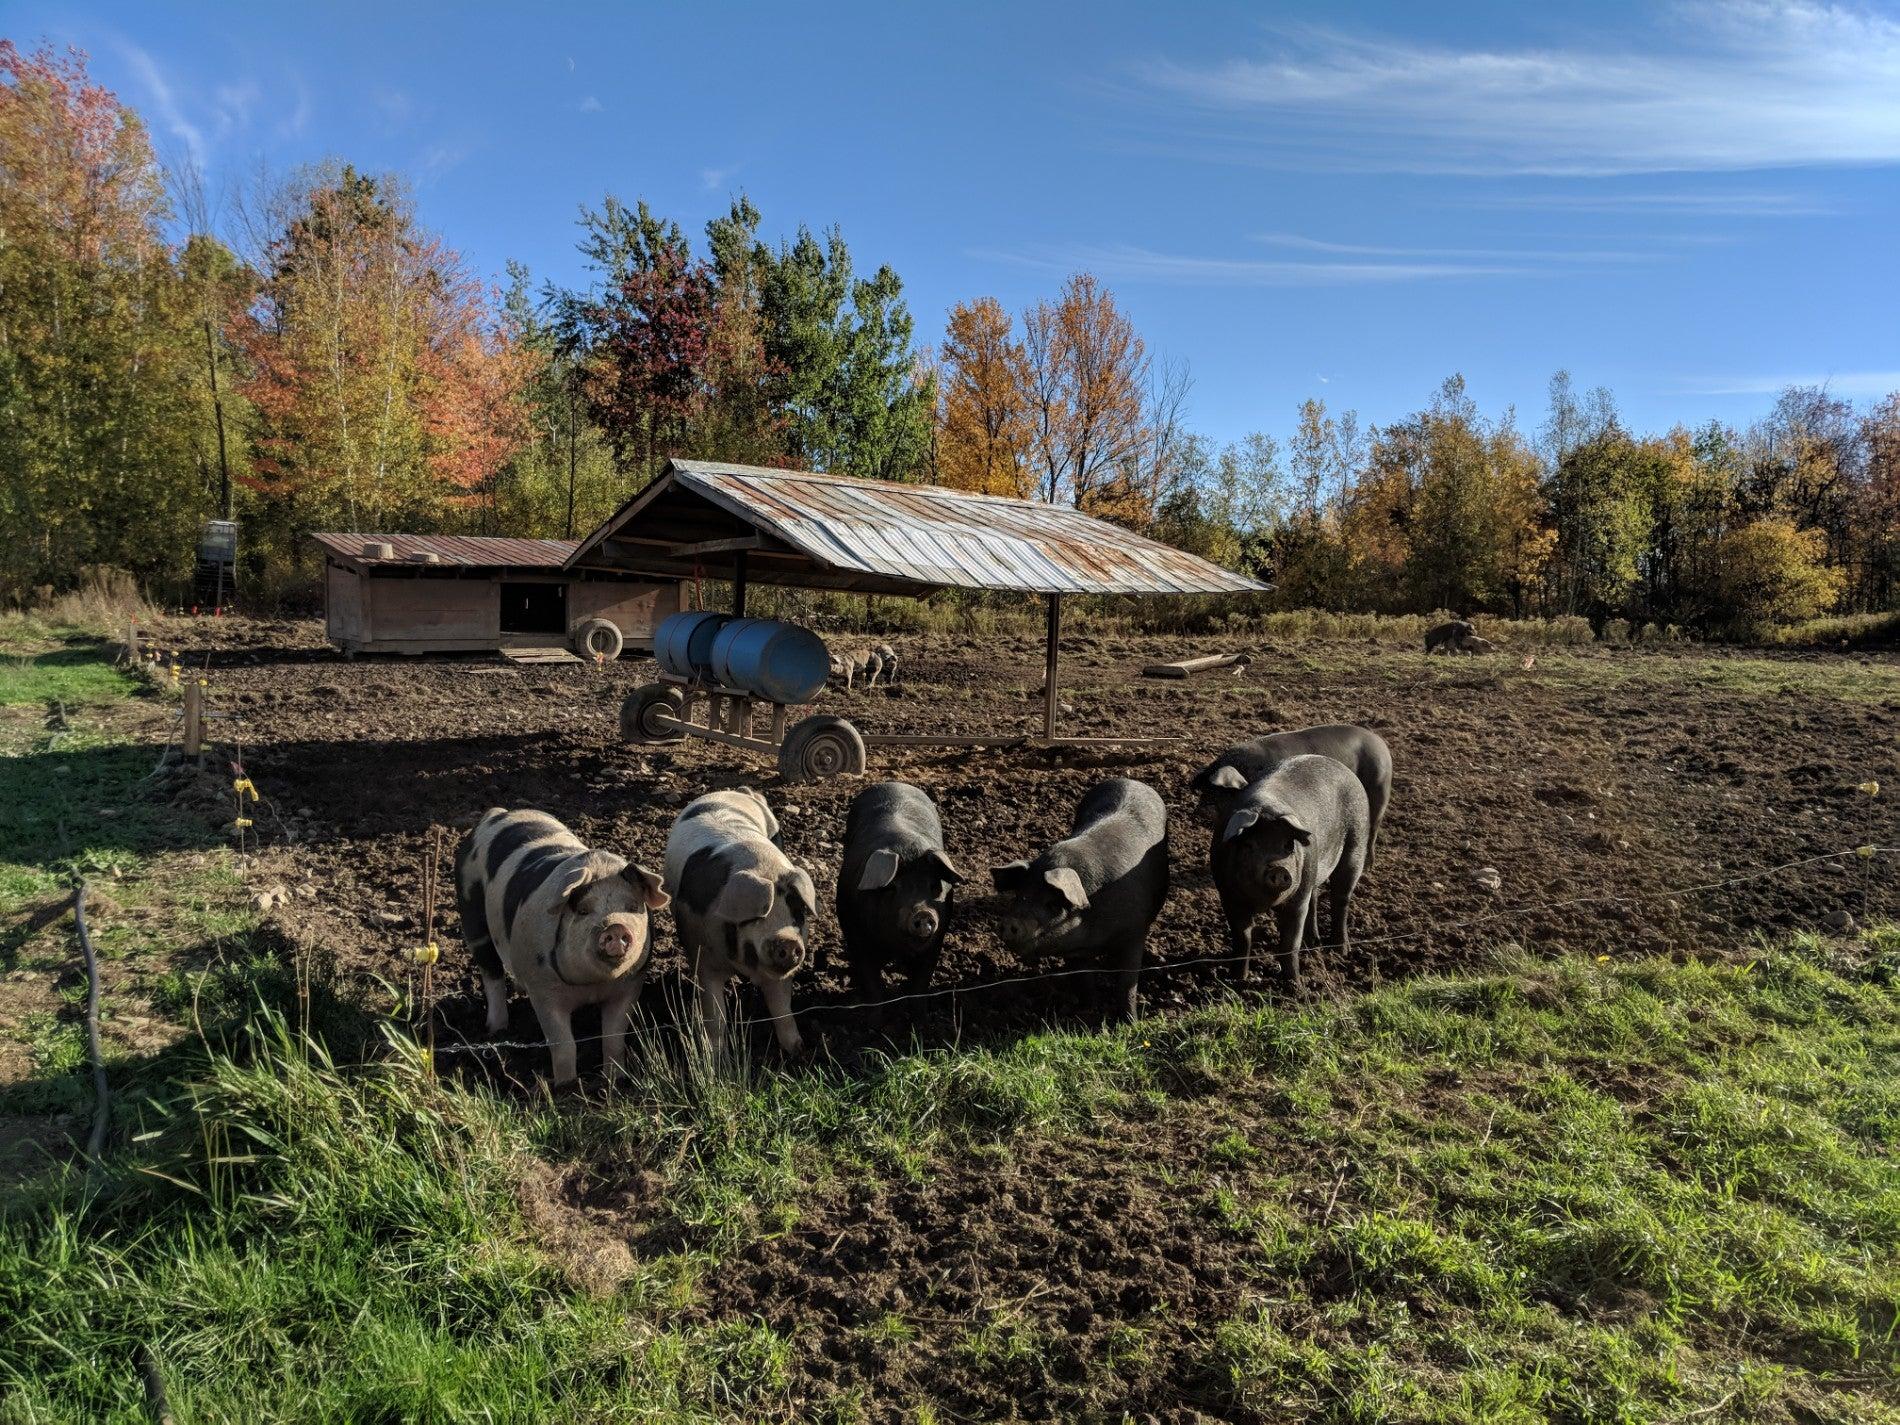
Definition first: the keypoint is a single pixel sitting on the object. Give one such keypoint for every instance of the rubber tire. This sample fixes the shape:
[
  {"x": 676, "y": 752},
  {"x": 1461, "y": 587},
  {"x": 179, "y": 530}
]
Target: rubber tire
[
  {"x": 640, "y": 703},
  {"x": 819, "y": 748},
  {"x": 599, "y": 631}
]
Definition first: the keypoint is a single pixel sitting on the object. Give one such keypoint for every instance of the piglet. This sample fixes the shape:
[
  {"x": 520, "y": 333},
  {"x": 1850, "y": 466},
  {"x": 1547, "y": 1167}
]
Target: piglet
[
  {"x": 1303, "y": 826},
  {"x": 740, "y": 905},
  {"x": 896, "y": 886},
  {"x": 1096, "y": 894},
  {"x": 570, "y": 925},
  {"x": 1360, "y": 750}
]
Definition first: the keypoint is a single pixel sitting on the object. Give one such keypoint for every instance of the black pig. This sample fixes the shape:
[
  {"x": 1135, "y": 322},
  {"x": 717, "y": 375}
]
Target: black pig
[
  {"x": 896, "y": 887},
  {"x": 1302, "y": 826},
  {"x": 1096, "y": 894},
  {"x": 1360, "y": 750}
]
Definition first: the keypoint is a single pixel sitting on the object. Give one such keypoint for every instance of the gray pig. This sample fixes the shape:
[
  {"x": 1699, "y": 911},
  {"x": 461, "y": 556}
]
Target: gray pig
[
  {"x": 1475, "y": 644},
  {"x": 570, "y": 925},
  {"x": 1302, "y": 826},
  {"x": 1097, "y": 893},
  {"x": 884, "y": 658},
  {"x": 896, "y": 887},
  {"x": 1448, "y": 636},
  {"x": 1359, "y": 749}
]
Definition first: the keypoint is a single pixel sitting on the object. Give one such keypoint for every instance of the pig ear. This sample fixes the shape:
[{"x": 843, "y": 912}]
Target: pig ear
[
  {"x": 1229, "y": 779},
  {"x": 648, "y": 885},
  {"x": 879, "y": 871},
  {"x": 800, "y": 891},
  {"x": 1069, "y": 886},
  {"x": 1240, "y": 823},
  {"x": 1011, "y": 877},
  {"x": 746, "y": 896},
  {"x": 944, "y": 869}
]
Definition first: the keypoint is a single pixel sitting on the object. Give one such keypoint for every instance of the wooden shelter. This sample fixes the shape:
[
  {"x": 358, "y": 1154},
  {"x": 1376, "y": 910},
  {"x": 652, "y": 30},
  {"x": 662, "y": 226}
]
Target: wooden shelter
[
  {"x": 401, "y": 593},
  {"x": 750, "y": 524}
]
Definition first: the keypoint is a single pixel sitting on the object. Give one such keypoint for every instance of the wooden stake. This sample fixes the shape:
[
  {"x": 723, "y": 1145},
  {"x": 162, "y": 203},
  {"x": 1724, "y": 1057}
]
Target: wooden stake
[
  {"x": 194, "y": 719},
  {"x": 1049, "y": 669}
]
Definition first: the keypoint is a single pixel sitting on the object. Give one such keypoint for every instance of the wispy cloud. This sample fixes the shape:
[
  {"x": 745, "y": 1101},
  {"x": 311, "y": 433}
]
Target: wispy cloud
[
  {"x": 713, "y": 179},
  {"x": 164, "y": 101},
  {"x": 1527, "y": 256},
  {"x": 1738, "y": 204},
  {"x": 1841, "y": 383},
  {"x": 1750, "y": 84},
  {"x": 592, "y": 105},
  {"x": 1140, "y": 264}
]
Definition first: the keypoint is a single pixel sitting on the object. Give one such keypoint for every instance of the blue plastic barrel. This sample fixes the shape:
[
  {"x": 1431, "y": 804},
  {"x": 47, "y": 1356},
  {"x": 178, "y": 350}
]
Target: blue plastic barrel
[
  {"x": 780, "y": 662},
  {"x": 683, "y": 643}
]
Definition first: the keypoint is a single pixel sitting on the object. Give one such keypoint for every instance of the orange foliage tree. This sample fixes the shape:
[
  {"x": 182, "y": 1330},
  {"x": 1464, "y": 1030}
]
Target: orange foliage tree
[
  {"x": 386, "y": 393},
  {"x": 983, "y": 403}
]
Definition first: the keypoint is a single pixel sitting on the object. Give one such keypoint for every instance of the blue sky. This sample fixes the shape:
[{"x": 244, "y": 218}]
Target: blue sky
[{"x": 1692, "y": 204}]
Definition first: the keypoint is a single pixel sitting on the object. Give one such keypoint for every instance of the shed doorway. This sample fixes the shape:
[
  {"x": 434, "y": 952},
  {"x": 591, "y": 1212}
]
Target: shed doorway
[{"x": 535, "y": 608}]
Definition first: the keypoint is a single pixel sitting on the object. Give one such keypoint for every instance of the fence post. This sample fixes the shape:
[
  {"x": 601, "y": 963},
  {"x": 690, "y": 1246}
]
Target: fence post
[{"x": 194, "y": 718}]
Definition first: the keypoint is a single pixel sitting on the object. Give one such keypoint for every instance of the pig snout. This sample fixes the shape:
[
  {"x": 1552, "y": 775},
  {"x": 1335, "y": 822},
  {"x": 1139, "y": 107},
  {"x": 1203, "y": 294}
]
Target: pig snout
[
  {"x": 614, "y": 942},
  {"x": 922, "y": 922},
  {"x": 784, "y": 952}
]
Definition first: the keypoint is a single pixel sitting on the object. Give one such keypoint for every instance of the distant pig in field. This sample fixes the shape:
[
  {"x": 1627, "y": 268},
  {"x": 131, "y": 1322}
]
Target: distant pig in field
[
  {"x": 570, "y": 925},
  {"x": 1359, "y": 749},
  {"x": 884, "y": 657},
  {"x": 1303, "y": 826},
  {"x": 1094, "y": 895},
  {"x": 852, "y": 666},
  {"x": 895, "y": 886},
  {"x": 1446, "y": 637},
  {"x": 740, "y": 905}
]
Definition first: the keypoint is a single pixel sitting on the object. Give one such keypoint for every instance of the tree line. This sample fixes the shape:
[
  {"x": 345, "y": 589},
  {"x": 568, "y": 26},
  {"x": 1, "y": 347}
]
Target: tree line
[{"x": 326, "y": 361}]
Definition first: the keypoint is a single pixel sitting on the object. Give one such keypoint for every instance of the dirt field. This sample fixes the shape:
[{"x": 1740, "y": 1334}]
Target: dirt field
[{"x": 1607, "y": 777}]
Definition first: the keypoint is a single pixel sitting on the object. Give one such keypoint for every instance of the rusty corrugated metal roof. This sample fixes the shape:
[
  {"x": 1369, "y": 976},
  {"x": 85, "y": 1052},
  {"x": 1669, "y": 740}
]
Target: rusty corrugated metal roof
[
  {"x": 459, "y": 550},
  {"x": 928, "y": 537}
]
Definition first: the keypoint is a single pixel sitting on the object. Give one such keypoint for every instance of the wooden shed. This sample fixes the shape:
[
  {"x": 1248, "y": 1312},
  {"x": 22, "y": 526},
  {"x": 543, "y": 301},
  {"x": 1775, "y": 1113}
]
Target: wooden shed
[{"x": 406, "y": 593}]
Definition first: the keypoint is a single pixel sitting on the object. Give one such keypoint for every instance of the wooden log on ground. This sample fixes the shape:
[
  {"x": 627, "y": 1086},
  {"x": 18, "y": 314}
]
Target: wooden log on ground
[{"x": 1187, "y": 666}]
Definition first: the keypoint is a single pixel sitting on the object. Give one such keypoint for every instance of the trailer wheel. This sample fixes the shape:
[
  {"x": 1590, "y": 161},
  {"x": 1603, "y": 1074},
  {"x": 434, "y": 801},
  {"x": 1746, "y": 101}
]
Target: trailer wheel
[
  {"x": 641, "y": 713},
  {"x": 819, "y": 748},
  {"x": 599, "y": 638}
]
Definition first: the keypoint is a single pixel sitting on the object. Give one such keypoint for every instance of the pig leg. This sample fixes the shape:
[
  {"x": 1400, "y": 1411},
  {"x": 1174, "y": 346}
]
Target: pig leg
[
  {"x": 712, "y": 1008},
  {"x": 560, "y": 1036},
  {"x": 496, "y": 988},
  {"x": 1344, "y": 882},
  {"x": 1128, "y": 980},
  {"x": 616, "y": 1016},
  {"x": 778, "y": 999},
  {"x": 1240, "y": 933},
  {"x": 1292, "y": 922}
]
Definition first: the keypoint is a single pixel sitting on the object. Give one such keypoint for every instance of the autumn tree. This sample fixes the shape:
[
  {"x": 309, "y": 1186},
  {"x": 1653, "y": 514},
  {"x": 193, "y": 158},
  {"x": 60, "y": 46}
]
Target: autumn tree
[
  {"x": 1086, "y": 366},
  {"x": 96, "y": 403},
  {"x": 385, "y": 393},
  {"x": 983, "y": 437}
]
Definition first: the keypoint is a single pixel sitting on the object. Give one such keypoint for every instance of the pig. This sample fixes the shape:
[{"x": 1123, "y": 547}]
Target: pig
[
  {"x": 1446, "y": 637},
  {"x": 740, "y": 905},
  {"x": 1475, "y": 644},
  {"x": 570, "y": 926},
  {"x": 885, "y": 658},
  {"x": 1095, "y": 894},
  {"x": 851, "y": 666},
  {"x": 896, "y": 886},
  {"x": 1359, "y": 749},
  {"x": 1303, "y": 825}
]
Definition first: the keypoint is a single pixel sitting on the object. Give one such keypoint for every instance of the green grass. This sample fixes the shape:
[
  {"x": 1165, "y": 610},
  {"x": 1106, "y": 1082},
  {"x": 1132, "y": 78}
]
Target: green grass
[
  {"x": 1564, "y": 1191},
  {"x": 78, "y": 671}
]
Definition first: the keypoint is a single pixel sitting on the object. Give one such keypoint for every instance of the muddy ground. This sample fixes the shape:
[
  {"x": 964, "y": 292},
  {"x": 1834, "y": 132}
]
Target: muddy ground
[{"x": 1598, "y": 784}]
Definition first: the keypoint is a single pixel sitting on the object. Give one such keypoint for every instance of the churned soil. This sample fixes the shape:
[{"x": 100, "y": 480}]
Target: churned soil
[
  {"x": 1602, "y": 802},
  {"x": 1622, "y": 801}
]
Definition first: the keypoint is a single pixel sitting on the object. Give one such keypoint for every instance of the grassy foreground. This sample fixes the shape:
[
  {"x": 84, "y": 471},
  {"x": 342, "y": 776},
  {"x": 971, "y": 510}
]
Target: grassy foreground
[
  {"x": 1580, "y": 1191},
  {"x": 1568, "y": 1191}
]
